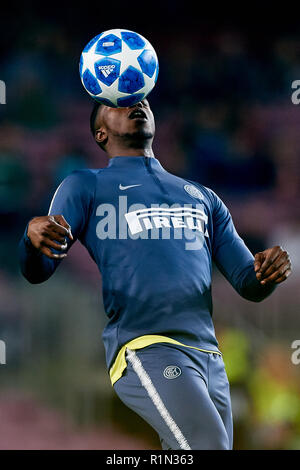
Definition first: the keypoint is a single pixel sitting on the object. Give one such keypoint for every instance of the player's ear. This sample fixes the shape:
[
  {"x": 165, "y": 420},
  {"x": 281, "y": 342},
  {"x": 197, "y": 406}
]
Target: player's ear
[{"x": 100, "y": 135}]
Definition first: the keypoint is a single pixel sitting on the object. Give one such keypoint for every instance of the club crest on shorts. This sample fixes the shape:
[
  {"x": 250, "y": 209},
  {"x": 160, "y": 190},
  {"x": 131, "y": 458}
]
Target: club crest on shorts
[
  {"x": 193, "y": 191},
  {"x": 172, "y": 372}
]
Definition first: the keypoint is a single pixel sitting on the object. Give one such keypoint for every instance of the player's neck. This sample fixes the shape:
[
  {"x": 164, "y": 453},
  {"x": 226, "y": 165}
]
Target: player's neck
[{"x": 131, "y": 152}]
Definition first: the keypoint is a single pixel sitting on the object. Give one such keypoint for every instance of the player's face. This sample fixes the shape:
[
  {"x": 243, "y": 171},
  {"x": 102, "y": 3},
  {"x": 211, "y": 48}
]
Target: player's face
[{"x": 135, "y": 121}]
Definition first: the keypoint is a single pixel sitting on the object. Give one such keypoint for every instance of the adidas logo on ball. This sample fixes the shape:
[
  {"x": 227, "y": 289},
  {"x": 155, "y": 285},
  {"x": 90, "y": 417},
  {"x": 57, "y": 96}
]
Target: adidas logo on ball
[{"x": 106, "y": 69}]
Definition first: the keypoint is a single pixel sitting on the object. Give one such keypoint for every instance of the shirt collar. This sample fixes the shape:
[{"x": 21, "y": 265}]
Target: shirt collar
[{"x": 137, "y": 162}]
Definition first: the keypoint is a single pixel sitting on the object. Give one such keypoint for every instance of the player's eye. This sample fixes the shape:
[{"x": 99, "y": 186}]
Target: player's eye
[{"x": 145, "y": 103}]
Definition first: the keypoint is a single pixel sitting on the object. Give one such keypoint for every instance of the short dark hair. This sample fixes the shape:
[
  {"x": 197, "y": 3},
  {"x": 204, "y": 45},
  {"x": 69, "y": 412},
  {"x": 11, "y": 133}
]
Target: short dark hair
[{"x": 93, "y": 117}]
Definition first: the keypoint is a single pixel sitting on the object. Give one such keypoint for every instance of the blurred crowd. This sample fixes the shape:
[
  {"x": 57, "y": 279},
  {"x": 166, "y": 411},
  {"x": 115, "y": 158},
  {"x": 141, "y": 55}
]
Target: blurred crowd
[{"x": 224, "y": 118}]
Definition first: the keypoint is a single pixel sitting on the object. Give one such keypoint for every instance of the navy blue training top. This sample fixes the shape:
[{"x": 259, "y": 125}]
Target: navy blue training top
[{"x": 154, "y": 237}]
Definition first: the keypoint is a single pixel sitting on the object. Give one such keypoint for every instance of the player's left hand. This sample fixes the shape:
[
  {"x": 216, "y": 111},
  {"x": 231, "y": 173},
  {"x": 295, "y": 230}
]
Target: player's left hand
[{"x": 272, "y": 265}]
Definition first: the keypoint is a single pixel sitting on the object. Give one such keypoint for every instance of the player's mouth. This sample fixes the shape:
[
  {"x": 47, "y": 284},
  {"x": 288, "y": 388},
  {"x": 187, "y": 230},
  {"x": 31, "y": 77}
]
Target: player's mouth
[{"x": 138, "y": 113}]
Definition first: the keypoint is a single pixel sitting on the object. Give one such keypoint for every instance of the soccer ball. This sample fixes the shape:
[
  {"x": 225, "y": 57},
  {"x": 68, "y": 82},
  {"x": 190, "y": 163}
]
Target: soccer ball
[{"x": 118, "y": 68}]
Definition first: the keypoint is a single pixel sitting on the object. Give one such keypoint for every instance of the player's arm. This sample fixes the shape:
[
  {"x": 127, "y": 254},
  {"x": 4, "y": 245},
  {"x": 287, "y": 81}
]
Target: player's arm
[
  {"x": 37, "y": 260},
  {"x": 47, "y": 239},
  {"x": 254, "y": 278}
]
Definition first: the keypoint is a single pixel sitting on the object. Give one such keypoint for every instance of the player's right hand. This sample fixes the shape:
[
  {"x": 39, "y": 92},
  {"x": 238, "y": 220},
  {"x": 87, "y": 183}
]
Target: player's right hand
[{"x": 44, "y": 232}]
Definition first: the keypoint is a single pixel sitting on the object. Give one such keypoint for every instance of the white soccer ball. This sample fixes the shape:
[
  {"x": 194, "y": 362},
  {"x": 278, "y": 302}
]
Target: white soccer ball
[{"x": 118, "y": 68}]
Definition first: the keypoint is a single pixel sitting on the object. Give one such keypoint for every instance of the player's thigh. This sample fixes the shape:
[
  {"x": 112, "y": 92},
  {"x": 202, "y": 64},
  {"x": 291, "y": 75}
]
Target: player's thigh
[
  {"x": 165, "y": 388},
  {"x": 219, "y": 391}
]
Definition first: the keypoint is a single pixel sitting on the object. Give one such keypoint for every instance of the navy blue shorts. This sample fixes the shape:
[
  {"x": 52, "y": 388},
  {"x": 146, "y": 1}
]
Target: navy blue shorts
[{"x": 182, "y": 393}]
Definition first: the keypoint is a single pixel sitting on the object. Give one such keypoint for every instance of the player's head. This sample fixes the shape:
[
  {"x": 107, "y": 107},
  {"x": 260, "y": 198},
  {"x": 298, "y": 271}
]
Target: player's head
[{"x": 131, "y": 127}]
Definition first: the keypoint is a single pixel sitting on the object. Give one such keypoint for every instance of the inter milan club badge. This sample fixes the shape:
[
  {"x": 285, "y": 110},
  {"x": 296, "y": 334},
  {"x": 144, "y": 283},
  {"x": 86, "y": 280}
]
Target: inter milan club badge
[
  {"x": 172, "y": 372},
  {"x": 193, "y": 191}
]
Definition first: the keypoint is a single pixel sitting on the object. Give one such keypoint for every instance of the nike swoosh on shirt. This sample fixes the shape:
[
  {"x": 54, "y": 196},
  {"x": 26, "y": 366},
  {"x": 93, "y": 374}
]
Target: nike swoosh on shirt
[{"x": 127, "y": 187}]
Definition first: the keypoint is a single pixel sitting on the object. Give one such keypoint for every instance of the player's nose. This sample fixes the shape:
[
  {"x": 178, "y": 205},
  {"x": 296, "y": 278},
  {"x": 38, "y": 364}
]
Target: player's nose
[{"x": 139, "y": 104}]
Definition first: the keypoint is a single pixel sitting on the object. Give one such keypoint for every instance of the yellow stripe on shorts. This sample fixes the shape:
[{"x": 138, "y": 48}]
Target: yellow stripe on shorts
[{"x": 120, "y": 364}]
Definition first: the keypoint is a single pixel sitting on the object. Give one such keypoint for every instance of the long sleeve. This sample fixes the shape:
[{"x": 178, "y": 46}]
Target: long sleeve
[
  {"x": 73, "y": 199},
  {"x": 34, "y": 265},
  {"x": 233, "y": 258}
]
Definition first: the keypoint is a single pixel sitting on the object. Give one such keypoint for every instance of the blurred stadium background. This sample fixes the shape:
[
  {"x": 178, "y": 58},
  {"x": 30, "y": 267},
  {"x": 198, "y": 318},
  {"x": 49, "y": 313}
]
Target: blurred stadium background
[{"x": 224, "y": 117}]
